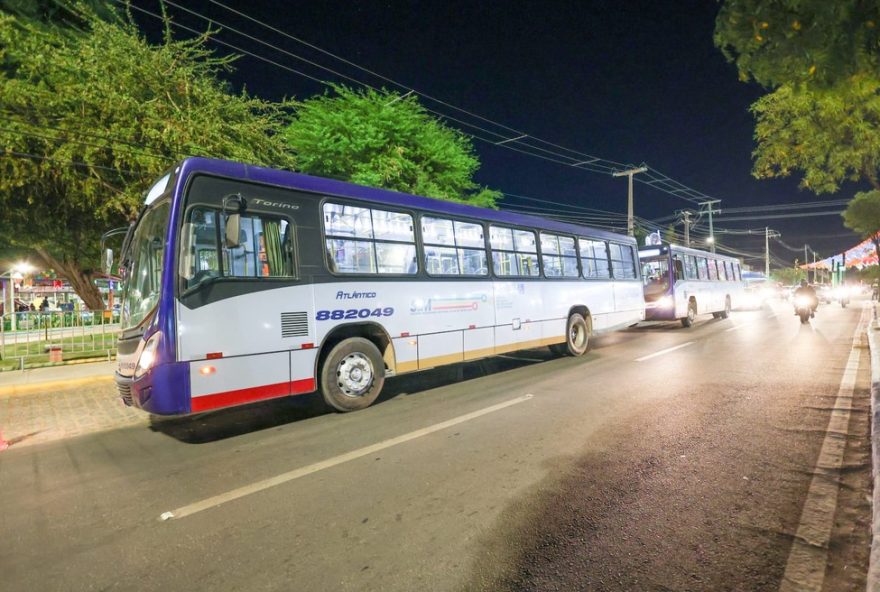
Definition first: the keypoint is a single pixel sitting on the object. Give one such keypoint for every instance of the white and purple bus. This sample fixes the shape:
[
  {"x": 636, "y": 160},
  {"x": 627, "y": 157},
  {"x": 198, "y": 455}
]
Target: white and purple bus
[
  {"x": 244, "y": 283},
  {"x": 681, "y": 283}
]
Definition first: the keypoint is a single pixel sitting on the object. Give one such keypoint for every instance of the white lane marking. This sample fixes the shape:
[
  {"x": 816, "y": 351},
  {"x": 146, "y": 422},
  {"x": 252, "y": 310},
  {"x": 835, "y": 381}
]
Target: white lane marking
[
  {"x": 664, "y": 351},
  {"x": 240, "y": 492},
  {"x": 740, "y": 326},
  {"x": 807, "y": 560}
]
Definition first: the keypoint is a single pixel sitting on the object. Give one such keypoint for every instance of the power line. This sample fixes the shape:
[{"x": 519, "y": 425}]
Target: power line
[{"x": 655, "y": 179}]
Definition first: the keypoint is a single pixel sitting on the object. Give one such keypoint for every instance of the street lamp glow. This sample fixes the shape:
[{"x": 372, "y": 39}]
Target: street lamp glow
[
  {"x": 23, "y": 267},
  {"x": 710, "y": 240}
]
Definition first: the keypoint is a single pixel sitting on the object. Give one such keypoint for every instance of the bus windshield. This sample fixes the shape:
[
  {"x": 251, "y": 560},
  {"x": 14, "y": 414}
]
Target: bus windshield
[
  {"x": 655, "y": 275},
  {"x": 144, "y": 276}
]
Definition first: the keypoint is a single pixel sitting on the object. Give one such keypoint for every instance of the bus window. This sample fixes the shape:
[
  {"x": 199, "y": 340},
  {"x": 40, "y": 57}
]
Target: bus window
[
  {"x": 558, "y": 255},
  {"x": 655, "y": 276},
  {"x": 690, "y": 267},
  {"x": 679, "y": 269},
  {"x": 262, "y": 252},
  {"x": 444, "y": 254},
  {"x": 713, "y": 270},
  {"x": 265, "y": 247},
  {"x": 363, "y": 240},
  {"x": 722, "y": 273},
  {"x": 514, "y": 252},
  {"x": 728, "y": 268},
  {"x": 594, "y": 258},
  {"x": 736, "y": 272},
  {"x": 622, "y": 265},
  {"x": 702, "y": 268},
  {"x": 527, "y": 252}
]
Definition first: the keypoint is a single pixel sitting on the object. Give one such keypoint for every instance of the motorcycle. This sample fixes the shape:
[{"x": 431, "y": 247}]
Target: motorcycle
[{"x": 803, "y": 307}]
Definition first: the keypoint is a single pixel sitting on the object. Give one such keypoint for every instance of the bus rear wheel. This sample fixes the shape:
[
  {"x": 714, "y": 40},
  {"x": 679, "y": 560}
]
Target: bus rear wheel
[
  {"x": 577, "y": 337},
  {"x": 352, "y": 375}
]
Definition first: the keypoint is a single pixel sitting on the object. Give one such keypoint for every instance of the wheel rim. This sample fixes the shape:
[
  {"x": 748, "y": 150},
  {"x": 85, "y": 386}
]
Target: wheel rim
[
  {"x": 577, "y": 336},
  {"x": 354, "y": 374}
]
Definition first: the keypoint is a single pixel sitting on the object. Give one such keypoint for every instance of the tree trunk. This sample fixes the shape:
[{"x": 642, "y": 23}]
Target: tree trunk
[
  {"x": 81, "y": 281},
  {"x": 876, "y": 240}
]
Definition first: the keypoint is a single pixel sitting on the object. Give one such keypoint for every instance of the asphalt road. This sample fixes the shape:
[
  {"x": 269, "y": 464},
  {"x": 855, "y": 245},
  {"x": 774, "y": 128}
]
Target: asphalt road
[{"x": 689, "y": 470}]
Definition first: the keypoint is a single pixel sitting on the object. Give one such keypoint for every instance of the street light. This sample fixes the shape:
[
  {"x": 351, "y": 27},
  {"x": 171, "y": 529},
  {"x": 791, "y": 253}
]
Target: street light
[{"x": 16, "y": 273}]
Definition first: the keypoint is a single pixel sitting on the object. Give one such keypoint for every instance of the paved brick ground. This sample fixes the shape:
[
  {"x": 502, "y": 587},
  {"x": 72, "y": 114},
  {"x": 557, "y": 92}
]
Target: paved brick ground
[{"x": 62, "y": 412}]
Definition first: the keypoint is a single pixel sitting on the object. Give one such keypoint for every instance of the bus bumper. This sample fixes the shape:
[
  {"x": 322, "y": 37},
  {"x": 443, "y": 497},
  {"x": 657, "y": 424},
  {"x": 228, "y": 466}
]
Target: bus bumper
[{"x": 163, "y": 390}]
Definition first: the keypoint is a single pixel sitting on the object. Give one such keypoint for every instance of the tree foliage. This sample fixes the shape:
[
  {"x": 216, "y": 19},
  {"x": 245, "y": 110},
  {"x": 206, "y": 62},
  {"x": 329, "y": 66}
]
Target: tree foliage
[
  {"x": 831, "y": 136},
  {"x": 90, "y": 116},
  {"x": 383, "y": 139},
  {"x": 817, "y": 42},
  {"x": 862, "y": 215},
  {"x": 822, "y": 59}
]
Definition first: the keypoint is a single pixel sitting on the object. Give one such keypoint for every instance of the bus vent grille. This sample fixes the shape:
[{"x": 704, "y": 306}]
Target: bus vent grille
[{"x": 294, "y": 324}]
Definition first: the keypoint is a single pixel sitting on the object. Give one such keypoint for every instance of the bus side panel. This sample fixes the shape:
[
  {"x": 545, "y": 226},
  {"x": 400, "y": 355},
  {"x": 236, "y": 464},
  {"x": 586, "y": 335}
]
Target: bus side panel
[
  {"x": 479, "y": 343},
  {"x": 406, "y": 354},
  {"x": 516, "y": 304},
  {"x": 232, "y": 381},
  {"x": 438, "y": 349},
  {"x": 629, "y": 303}
]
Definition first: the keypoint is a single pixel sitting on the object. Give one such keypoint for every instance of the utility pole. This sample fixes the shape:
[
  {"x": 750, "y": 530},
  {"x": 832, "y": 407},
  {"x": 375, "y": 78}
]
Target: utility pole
[
  {"x": 815, "y": 271},
  {"x": 630, "y": 226},
  {"x": 806, "y": 262},
  {"x": 768, "y": 234},
  {"x": 687, "y": 228},
  {"x": 711, "y": 210}
]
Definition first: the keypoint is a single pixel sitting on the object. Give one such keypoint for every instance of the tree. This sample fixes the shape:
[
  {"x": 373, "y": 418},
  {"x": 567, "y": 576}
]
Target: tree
[
  {"x": 829, "y": 135},
  {"x": 90, "y": 116},
  {"x": 862, "y": 215},
  {"x": 383, "y": 139},
  {"x": 817, "y": 42},
  {"x": 788, "y": 276},
  {"x": 822, "y": 60}
]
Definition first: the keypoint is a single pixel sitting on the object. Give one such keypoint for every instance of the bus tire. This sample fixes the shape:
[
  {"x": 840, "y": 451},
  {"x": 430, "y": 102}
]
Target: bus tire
[
  {"x": 726, "y": 312},
  {"x": 691, "y": 315},
  {"x": 577, "y": 337},
  {"x": 352, "y": 375}
]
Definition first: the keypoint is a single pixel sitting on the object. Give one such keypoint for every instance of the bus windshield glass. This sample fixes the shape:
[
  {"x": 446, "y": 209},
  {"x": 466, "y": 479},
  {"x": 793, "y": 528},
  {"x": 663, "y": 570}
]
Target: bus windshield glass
[
  {"x": 145, "y": 272},
  {"x": 655, "y": 275}
]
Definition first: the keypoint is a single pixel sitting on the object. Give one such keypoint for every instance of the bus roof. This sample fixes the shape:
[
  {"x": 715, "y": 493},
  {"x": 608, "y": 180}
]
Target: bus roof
[
  {"x": 651, "y": 251},
  {"x": 334, "y": 188}
]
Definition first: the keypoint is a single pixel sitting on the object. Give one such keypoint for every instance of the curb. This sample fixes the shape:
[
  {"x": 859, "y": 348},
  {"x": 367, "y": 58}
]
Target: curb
[
  {"x": 873, "y": 580},
  {"x": 33, "y": 387}
]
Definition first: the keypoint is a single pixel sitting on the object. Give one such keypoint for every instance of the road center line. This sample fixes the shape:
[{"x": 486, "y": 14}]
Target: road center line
[
  {"x": 807, "y": 560},
  {"x": 240, "y": 492},
  {"x": 664, "y": 351}
]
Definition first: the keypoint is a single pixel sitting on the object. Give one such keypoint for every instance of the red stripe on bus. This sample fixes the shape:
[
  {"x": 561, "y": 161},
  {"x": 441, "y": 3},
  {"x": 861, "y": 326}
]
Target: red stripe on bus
[{"x": 249, "y": 395}]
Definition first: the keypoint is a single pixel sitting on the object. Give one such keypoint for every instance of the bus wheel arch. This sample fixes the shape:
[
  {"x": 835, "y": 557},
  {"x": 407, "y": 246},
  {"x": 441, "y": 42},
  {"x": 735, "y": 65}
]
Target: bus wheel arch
[{"x": 352, "y": 364}]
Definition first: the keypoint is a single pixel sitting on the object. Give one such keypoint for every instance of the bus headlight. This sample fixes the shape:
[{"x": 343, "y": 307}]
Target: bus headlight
[
  {"x": 665, "y": 302},
  {"x": 148, "y": 355}
]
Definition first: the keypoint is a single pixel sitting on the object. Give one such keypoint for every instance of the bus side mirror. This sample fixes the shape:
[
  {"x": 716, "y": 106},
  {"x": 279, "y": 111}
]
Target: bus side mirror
[
  {"x": 107, "y": 261},
  {"x": 233, "y": 228}
]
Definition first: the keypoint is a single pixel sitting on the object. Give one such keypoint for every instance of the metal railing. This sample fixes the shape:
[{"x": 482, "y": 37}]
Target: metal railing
[{"x": 43, "y": 338}]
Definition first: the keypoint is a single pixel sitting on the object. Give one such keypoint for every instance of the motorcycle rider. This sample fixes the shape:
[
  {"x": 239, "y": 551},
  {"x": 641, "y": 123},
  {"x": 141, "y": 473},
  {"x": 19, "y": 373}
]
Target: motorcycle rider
[{"x": 807, "y": 291}]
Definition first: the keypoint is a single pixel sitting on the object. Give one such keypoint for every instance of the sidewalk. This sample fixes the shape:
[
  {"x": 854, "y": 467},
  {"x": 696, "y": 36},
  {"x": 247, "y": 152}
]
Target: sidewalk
[{"x": 47, "y": 404}]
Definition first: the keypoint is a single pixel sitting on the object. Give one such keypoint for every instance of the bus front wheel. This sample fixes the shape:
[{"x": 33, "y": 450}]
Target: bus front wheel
[
  {"x": 691, "y": 315},
  {"x": 352, "y": 375},
  {"x": 577, "y": 337}
]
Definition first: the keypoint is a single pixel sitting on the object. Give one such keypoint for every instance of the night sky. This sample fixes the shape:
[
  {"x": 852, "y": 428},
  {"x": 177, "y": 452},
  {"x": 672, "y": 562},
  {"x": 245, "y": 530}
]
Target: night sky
[{"x": 633, "y": 82}]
